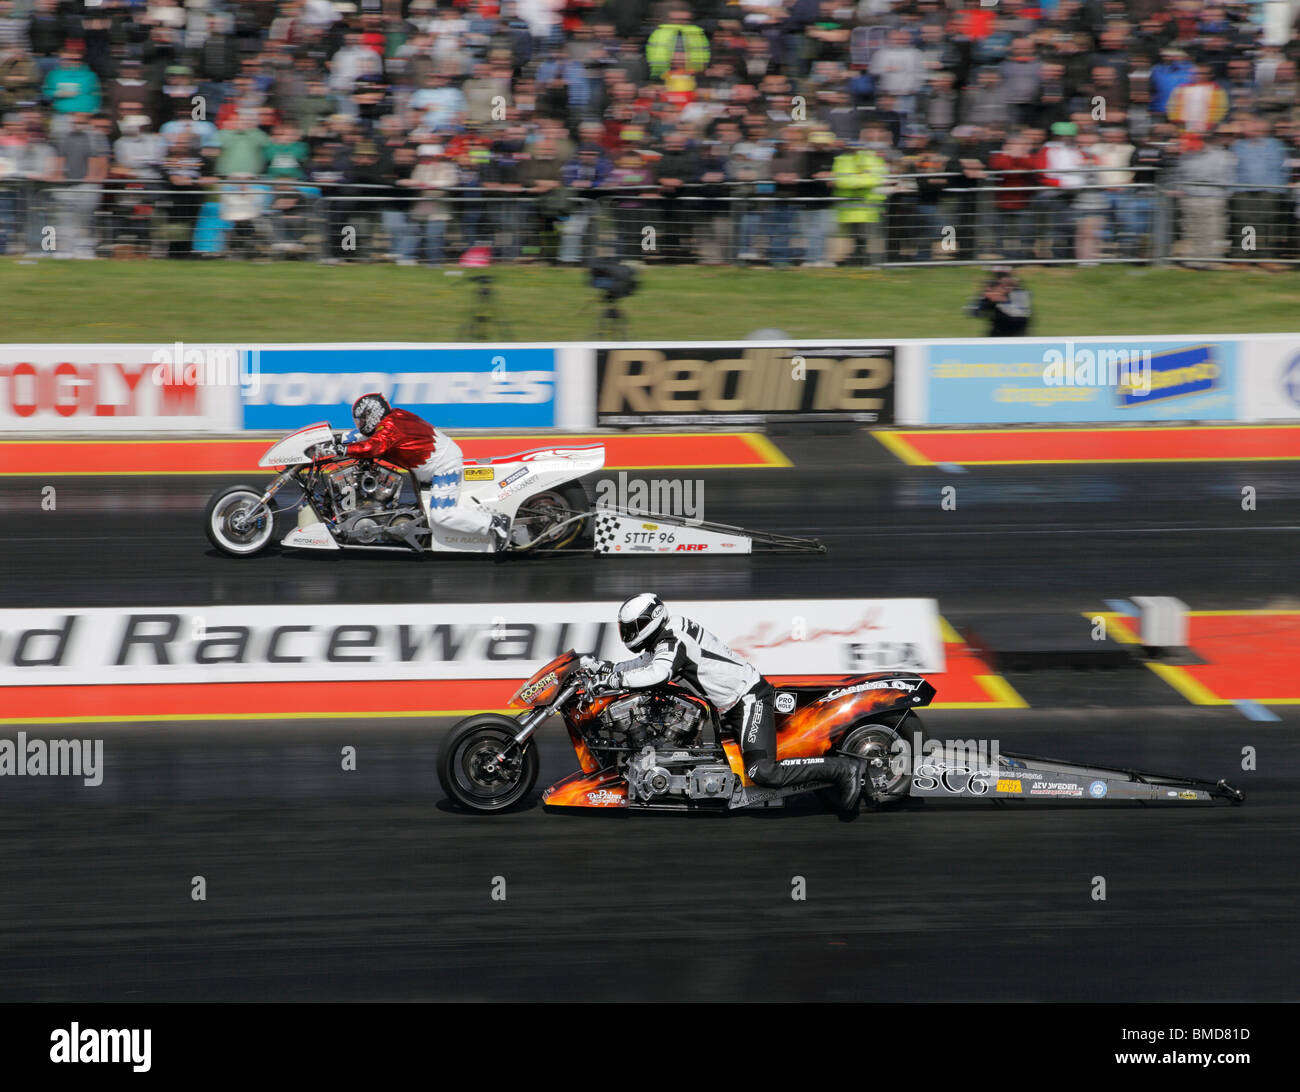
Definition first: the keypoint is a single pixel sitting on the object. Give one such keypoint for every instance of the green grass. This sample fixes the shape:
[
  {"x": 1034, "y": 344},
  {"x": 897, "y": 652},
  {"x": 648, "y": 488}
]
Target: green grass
[{"x": 51, "y": 301}]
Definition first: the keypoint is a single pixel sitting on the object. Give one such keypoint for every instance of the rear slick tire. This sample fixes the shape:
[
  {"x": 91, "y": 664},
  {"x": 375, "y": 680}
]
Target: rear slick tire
[{"x": 468, "y": 769}]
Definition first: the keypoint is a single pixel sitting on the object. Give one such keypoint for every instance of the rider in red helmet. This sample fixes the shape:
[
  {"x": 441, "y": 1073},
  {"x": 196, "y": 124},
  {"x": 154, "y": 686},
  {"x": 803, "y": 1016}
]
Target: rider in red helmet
[{"x": 407, "y": 440}]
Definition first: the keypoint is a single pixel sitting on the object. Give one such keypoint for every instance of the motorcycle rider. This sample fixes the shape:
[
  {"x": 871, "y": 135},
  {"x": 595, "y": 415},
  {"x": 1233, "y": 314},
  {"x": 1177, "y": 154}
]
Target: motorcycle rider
[
  {"x": 680, "y": 649},
  {"x": 409, "y": 441}
]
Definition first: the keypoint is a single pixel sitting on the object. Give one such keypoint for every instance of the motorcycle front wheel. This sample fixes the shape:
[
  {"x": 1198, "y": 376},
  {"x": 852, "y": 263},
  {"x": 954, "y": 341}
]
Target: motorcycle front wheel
[
  {"x": 237, "y": 522},
  {"x": 482, "y": 768}
]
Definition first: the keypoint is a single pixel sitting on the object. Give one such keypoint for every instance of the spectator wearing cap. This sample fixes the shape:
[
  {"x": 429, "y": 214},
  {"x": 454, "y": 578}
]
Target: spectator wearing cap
[
  {"x": 1061, "y": 163},
  {"x": 1259, "y": 201},
  {"x": 816, "y": 207}
]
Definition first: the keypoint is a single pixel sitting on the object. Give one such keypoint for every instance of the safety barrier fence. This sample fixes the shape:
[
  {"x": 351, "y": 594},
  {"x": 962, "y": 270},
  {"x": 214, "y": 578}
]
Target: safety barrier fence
[{"x": 1081, "y": 216}]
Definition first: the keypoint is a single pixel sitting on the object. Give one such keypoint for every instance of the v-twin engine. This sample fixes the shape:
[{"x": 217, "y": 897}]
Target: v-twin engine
[{"x": 666, "y": 774}]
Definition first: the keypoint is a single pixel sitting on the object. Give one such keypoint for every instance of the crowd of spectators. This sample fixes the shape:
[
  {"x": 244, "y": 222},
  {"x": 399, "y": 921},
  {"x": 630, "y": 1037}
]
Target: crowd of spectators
[{"x": 786, "y": 132}]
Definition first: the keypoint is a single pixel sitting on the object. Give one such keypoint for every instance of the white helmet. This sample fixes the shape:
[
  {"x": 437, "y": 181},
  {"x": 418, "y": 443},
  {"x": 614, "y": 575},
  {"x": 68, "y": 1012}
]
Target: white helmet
[{"x": 641, "y": 620}]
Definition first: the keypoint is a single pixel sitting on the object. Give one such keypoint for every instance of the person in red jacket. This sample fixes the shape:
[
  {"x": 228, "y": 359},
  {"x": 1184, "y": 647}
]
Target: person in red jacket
[{"x": 407, "y": 440}]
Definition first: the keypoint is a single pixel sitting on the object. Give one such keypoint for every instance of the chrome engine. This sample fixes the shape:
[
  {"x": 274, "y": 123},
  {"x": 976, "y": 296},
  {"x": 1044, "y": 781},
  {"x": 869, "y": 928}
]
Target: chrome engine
[
  {"x": 363, "y": 498},
  {"x": 661, "y": 719},
  {"x": 671, "y": 760}
]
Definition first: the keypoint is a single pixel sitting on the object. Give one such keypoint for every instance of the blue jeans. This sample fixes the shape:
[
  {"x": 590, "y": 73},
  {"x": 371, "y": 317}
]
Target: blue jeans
[
  {"x": 433, "y": 232},
  {"x": 398, "y": 226},
  {"x": 1134, "y": 213},
  {"x": 780, "y": 231}
]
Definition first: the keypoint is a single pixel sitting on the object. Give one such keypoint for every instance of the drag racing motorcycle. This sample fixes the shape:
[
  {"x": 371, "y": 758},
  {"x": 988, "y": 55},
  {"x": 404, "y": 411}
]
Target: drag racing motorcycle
[
  {"x": 664, "y": 748},
  {"x": 359, "y": 504}
]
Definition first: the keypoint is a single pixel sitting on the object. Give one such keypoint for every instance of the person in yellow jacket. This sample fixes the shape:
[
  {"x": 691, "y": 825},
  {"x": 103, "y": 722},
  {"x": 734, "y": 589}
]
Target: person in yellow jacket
[
  {"x": 859, "y": 177},
  {"x": 679, "y": 33}
]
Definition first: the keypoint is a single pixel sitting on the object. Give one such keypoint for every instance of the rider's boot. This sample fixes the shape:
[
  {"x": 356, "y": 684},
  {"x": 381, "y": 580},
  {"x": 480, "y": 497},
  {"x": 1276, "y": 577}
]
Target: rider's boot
[
  {"x": 500, "y": 532},
  {"x": 844, "y": 773}
]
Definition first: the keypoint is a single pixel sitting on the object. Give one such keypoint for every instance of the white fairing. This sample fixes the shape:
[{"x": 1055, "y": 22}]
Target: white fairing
[
  {"x": 315, "y": 536},
  {"x": 292, "y": 450},
  {"x": 504, "y": 485}
]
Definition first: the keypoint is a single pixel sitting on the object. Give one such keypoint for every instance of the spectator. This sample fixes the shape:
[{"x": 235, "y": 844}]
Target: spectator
[
  {"x": 1200, "y": 105},
  {"x": 859, "y": 174},
  {"x": 1257, "y": 207},
  {"x": 71, "y": 88},
  {"x": 432, "y": 180},
  {"x": 677, "y": 45},
  {"x": 1204, "y": 174},
  {"x": 80, "y": 169}
]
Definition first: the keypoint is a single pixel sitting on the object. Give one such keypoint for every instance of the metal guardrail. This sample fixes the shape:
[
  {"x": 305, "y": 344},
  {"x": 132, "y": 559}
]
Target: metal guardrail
[{"x": 898, "y": 223}]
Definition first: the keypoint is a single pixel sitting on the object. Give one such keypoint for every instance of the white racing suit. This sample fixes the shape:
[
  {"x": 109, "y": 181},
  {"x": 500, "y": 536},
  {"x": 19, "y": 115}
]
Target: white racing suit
[
  {"x": 689, "y": 654},
  {"x": 442, "y": 473}
]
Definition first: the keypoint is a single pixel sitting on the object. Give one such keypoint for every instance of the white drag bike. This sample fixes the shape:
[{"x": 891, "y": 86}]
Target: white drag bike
[{"x": 358, "y": 504}]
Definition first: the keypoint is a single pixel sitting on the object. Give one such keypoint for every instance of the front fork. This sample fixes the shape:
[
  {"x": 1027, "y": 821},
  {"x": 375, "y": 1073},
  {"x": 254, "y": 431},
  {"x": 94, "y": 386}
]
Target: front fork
[{"x": 529, "y": 722}]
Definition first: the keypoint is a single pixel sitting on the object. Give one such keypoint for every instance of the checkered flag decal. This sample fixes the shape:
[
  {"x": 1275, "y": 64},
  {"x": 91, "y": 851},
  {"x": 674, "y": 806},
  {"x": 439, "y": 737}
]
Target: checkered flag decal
[{"x": 605, "y": 531}]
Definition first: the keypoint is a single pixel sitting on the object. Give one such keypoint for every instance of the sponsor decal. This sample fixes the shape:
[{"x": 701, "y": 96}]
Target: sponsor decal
[
  {"x": 785, "y": 702},
  {"x": 1187, "y": 794},
  {"x": 1097, "y": 790},
  {"x": 1007, "y": 784},
  {"x": 522, "y": 472},
  {"x": 706, "y": 384},
  {"x": 649, "y": 526},
  {"x": 602, "y": 797},
  {"x": 533, "y": 689},
  {"x": 480, "y": 474},
  {"x": 880, "y": 684},
  {"x": 1056, "y": 788},
  {"x": 691, "y": 546}
]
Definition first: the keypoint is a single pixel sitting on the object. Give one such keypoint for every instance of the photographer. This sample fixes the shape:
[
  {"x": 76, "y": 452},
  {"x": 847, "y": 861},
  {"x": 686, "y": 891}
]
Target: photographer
[{"x": 1006, "y": 302}]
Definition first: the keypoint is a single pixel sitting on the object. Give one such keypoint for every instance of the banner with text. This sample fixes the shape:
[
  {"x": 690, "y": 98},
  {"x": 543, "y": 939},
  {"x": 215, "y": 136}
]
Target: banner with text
[
  {"x": 263, "y": 643},
  {"x": 733, "y": 385}
]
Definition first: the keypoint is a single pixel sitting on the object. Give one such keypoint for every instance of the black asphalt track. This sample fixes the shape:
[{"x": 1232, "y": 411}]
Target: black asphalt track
[{"x": 324, "y": 884}]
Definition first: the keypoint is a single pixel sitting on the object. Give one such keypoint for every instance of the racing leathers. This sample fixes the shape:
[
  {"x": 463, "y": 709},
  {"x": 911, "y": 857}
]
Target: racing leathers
[
  {"x": 688, "y": 654},
  {"x": 409, "y": 441}
]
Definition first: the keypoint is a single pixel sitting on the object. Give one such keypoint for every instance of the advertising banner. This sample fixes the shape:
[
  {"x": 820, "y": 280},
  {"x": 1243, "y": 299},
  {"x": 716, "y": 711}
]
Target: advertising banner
[
  {"x": 1081, "y": 381},
  {"x": 264, "y": 643},
  {"x": 507, "y": 387},
  {"x": 121, "y": 388},
  {"x": 735, "y": 385}
]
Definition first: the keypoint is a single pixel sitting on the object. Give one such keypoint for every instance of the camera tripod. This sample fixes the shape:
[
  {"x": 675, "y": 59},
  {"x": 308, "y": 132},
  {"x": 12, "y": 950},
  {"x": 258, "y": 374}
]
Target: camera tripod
[
  {"x": 483, "y": 322},
  {"x": 612, "y": 324}
]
